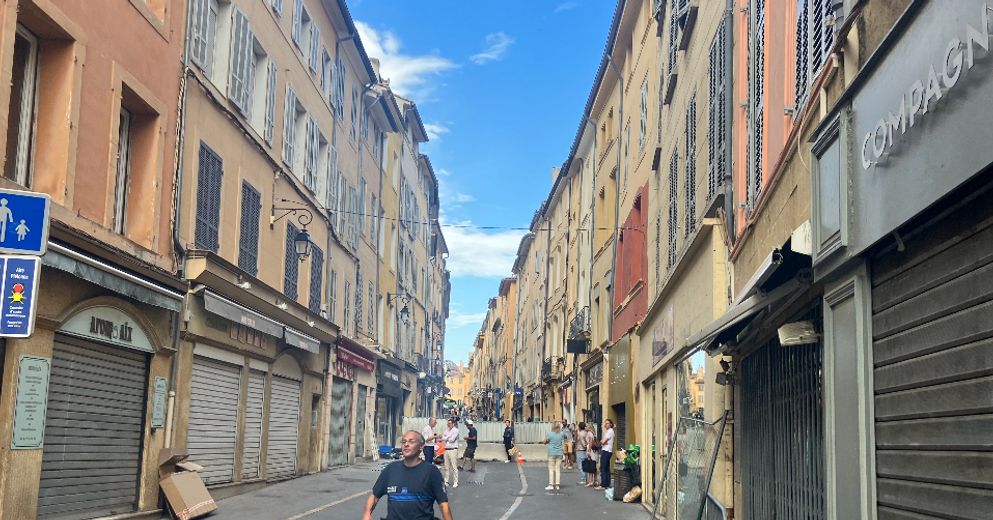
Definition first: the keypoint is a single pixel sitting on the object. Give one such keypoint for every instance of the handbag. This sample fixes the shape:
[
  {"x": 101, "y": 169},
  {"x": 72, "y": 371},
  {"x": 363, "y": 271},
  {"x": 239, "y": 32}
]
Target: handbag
[{"x": 589, "y": 466}]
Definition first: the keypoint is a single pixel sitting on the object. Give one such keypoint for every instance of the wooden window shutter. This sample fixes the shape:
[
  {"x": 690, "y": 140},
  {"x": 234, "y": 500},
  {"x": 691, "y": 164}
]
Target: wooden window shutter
[
  {"x": 248, "y": 242},
  {"x": 206, "y": 234},
  {"x": 316, "y": 275},
  {"x": 292, "y": 263}
]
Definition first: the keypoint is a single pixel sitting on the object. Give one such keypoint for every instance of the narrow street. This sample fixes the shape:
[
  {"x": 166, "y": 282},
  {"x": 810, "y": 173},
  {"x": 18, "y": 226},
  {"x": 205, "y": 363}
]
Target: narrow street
[{"x": 490, "y": 493}]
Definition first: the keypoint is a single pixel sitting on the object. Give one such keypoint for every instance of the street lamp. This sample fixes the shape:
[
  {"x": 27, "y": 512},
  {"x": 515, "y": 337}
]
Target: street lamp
[
  {"x": 405, "y": 311},
  {"x": 302, "y": 243}
]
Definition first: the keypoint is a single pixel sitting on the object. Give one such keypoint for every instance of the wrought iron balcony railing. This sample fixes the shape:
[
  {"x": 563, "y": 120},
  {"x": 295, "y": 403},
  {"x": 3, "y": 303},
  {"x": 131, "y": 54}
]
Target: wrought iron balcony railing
[
  {"x": 579, "y": 327},
  {"x": 552, "y": 368}
]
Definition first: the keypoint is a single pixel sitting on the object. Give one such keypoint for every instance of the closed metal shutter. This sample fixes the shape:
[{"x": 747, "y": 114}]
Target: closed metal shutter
[
  {"x": 215, "y": 391},
  {"x": 621, "y": 428},
  {"x": 251, "y": 456},
  {"x": 93, "y": 431},
  {"x": 782, "y": 433},
  {"x": 360, "y": 421},
  {"x": 933, "y": 368},
  {"x": 284, "y": 420},
  {"x": 341, "y": 405}
]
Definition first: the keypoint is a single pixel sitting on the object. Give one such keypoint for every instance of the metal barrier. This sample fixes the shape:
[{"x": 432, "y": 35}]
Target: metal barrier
[
  {"x": 714, "y": 510},
  {"x": 682, "y": 492},
  {"x": 488, "y": 431}
]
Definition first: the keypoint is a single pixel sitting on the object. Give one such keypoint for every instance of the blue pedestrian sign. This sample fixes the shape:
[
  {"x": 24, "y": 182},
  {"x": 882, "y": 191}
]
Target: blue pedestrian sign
[
  {"x": 23, "y": 222},
  {"x": 20, "y": 291}
]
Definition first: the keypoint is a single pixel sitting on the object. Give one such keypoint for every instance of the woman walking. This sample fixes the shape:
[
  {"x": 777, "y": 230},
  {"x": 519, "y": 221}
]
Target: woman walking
[{"x": 554, "y": 439}]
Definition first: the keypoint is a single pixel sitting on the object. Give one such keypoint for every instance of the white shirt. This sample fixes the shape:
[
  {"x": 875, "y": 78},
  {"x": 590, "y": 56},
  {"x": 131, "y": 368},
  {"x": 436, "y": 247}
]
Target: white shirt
[
  {"x": 451, "y": 439},
  {"x": 428, "y": 432},
  {"x": 608, "y": 436}
]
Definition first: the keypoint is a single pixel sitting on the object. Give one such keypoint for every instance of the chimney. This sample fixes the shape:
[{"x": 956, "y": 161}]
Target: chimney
[
  {"x": 375, "y": 67},
  {"x": 555, "y": 173}
]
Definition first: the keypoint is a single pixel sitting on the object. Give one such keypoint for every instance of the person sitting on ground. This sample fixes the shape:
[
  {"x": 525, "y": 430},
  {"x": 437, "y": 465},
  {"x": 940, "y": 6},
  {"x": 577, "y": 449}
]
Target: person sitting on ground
[
  {"x": 470, "y": 446},
  {"x": 554, "y": 440},
  {"x": 412, "y": 486}
]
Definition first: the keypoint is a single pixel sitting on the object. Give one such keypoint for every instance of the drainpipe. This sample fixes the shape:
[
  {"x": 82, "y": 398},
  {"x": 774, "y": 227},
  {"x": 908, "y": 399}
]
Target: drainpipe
[
  {"x": 617, "y": 198},
  {"x": 548, "y": 266}
]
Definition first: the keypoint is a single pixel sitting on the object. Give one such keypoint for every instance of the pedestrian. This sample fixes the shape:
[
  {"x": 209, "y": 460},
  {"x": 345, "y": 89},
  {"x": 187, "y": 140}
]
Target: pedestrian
[
  {"x": 429, "y": 439},
  {"x": 451, "y": 438},
  {"x": 582, "y": 443},
  {"x": 508, "y": 440},
  {"x": 554, "y": 439},
  {"x": 593, "y": 454},
  {"x": 470, "y": 446},
  {"x": 567, "y": 445},
  {"x": 413, "y": 486},
  {"x": 606, "y": 452}
]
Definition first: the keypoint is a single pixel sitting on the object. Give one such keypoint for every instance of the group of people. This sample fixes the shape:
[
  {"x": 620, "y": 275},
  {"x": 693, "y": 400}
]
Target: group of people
[
  {"x": 450, "y": 441},
  {"x": 570, "y": 444}
]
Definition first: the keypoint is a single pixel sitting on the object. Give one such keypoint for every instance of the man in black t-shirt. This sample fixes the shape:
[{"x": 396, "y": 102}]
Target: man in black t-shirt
[
  {"x": 411, "y": 485},
  {"x": 470, "y": 446}
]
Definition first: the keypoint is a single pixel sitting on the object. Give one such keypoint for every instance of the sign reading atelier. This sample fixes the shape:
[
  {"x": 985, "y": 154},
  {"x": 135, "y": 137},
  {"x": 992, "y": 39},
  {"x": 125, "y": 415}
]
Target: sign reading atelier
[
  {"x": 19, "y": 292},
  {"x": 23, "y": 222},
  {"x": 922, "y": 117},
  {"x": 31, "y": 403}
]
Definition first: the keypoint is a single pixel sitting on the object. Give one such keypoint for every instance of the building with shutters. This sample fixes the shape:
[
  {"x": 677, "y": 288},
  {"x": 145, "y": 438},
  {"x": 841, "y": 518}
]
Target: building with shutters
[
  {"x": 89, "y": 124},
  {"x": 282, "y": 139}
]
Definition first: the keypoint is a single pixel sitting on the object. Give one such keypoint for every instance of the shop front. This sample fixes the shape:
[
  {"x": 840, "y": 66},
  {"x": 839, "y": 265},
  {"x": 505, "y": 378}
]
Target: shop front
[
  {"x": 909, "y": 275},
  {"x": 83, "y": 399},
  {"x": 593, "y": 376},
  {"x": 351, "y": 377},
  {"x": 389, "y": 400}
]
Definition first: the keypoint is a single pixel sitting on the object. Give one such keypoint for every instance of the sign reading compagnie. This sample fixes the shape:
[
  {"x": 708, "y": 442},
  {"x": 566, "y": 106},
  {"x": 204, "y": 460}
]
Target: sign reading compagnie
[{"x": 919, "y": 142}]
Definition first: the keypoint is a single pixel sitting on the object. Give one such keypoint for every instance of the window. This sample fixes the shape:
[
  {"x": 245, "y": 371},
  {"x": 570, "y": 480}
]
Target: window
[
  {"x": 242, "y": 63},
  {"x": 20, "y": 112},
  {"x": 690, "y": 182},
  {"x": 347, "y": 319},
  {"x": 355, "y": 113},
  {"x": 122, "y": 183},
  {"x": 316, "y": 276},
  {"x": 289, "y": 126},
  {"x": 270, "y": 103},
  {"x": 316, "y": 147},
  {"x": 627, "y": 149},
  {"x": 208, "y": 199},
  {"x": 333, "y": 297},
  {"x": 373, "y": 220},
  {"x": 353, "y": 203},
  {"x": 291, "y": 263},
  {"x": 814, "y": 38},
  {"x": 361, "y": 207},
  {"x": 643, "y": 124},
  {"x": 756, "y": 102},
  {"x": 203, "y": 33},
  {"x": 331, "y": 197},
  {"x": 339, "y": 97},
  {"x": 673, "y": 210},
  {"x": 717, "y": 121},
  {"x": 358, "y": 299},
  {"x": 248, "y": 240},
  {"x": 372, "y": 302},
  {"x": 313, "y": 54},
  {"x": 327, "y": 77},
  {"x": 301, "y": 25},
  {"x": 277, "y": 6},
  {"x": 673, "y": 40}
]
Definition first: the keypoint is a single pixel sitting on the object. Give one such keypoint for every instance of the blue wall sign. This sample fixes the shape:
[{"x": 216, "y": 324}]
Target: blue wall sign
[
  {"x": 19, "y": 288},
  {"x": 23, "y": 222}
]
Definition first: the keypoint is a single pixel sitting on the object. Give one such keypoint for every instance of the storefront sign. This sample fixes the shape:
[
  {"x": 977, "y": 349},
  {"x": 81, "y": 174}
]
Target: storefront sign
[
  {"x": 389, "y": 380},
  {"x": 922, "y": 118},
  {"x": 159, "y": 402},
  {"x": 662, "y": 336},
  {"x": 108, "y": 325},
  {"x": 300, "y": 340},
  {"x": 232, "y": 311},
  {"x": 354, "y": 359},
  {"x": 594, "y": 376},
  {"x": 344, "y": 370},
  {"x": 18, "y": 302},
  {"x": 31, "y": 403}
]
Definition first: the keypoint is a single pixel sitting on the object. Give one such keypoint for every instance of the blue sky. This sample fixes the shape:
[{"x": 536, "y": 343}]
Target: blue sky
[{"x": 501, "y": 87}]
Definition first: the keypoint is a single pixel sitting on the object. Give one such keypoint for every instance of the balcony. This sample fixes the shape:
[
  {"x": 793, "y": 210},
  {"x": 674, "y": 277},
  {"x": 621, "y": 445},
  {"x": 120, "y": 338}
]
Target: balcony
[
  {"x": 579, "y": 327},
  {"x": 552, "y": 369}
]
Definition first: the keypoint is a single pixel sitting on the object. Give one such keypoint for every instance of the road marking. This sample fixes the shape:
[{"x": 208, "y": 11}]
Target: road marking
[
  {"x": 326, "y": 506},
  {"x": 518, "y": 500}
]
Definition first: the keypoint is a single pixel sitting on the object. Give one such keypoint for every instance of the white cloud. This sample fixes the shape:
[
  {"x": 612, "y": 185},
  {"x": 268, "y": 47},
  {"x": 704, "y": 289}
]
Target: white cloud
[
  {"x": 458, "y": 320},
  {"x": 410, "y": 76},
  {"x": 565, "y": 6},
  {"x": 477, "y": 252},
  {"x": 435, "y": 131},
  {"x": 497, "y": 45},
  {"x": 462, "y": 198}
]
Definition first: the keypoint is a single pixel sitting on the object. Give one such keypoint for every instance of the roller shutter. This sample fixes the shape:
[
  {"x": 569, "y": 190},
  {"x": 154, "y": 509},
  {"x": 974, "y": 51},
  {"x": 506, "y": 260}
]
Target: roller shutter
[
  {"x": 360, "y": 420},
  {"x": 341, "y": 405},
  {"x": 215, "y": 390},
  {"x": 284, "y": 420},
  {"x": 932, "y": 323},
  {"x": 93, "y": 431},
  {"x": 250, "y": 461}
]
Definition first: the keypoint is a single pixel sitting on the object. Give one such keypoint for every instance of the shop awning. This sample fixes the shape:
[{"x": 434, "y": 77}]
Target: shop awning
[
  {"x": 295, "y": 338},
  {"x": 231, "y": 311},
  {"x": 114, "y": 278},
  {"x": 354, "y": 359}
]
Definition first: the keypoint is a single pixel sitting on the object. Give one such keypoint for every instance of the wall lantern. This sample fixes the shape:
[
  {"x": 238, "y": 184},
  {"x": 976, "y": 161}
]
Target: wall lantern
[{"x": 302, "y": 243}]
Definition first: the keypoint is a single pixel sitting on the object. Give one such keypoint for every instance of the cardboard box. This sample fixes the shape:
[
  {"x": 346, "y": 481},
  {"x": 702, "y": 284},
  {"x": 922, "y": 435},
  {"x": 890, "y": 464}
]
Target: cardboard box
[{"x": 187, "y": 495}]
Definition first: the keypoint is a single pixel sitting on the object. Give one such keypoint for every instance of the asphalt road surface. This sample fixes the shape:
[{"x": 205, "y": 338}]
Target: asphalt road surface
[{"x": 495, "y": 492}]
